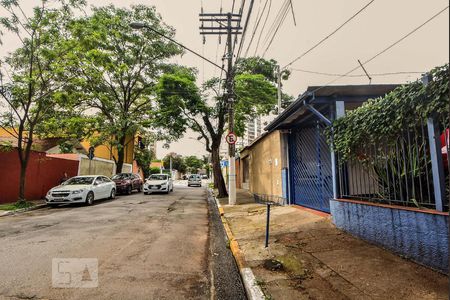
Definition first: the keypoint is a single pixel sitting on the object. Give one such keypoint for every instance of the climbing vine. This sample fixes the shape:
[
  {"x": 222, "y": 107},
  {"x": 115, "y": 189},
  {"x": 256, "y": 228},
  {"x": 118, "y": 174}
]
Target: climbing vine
[{"x": 381, "y": 120}]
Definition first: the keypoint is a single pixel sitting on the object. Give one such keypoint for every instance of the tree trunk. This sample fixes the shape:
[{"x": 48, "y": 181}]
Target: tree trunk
[
  {"x": 121, "y": 154},
  {"x": 24, "y": 157},
  {"x": 218, "y": 177},
  {"x": 23, "y": 173}
]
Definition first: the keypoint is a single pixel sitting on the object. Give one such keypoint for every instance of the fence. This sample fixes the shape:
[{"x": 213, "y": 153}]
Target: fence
[{"x": 412, "y": 170}]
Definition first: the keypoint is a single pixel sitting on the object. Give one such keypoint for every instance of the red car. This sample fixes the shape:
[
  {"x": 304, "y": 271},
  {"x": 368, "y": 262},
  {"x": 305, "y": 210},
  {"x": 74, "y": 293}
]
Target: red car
[{"x": 126, "y": 183}]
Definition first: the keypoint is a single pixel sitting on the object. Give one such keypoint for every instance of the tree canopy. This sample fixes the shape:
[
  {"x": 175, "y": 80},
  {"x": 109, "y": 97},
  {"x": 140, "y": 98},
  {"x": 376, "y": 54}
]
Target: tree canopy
[
  {"x": 33, "y": 78},
  {"x": 117, "y": 69},
  {"x": 182, "y": 105}
]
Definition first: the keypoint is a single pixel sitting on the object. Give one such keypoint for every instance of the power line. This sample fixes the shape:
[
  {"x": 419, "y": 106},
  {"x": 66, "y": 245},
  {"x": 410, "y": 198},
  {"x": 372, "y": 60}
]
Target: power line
[
  {"x": 282, "y": 19},
  {"x": 275, "y": 22},
  {"x": 258, "y": 22},
  {"x": 356, "y": 75},
  {"x": 264, "y": 26},
  {"x": 241, "y": 11},
  {"x": 386, "y": 49},
  {"x": 293, "y": 12},
  {"x": 408, "y": 35},
  {"x": 247, "y": 21},
  {"x": 136, "y": 25},
  {"x": 330, "y": 35}
]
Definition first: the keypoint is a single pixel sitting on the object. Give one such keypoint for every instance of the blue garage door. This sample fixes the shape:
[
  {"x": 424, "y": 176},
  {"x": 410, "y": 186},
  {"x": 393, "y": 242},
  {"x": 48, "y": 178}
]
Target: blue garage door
[{"x": 310, "y": 165}]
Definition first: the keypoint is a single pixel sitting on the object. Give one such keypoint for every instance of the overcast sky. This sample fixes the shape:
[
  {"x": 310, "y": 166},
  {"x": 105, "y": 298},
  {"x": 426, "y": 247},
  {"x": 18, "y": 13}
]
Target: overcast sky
[{"x": 381, "y": 24}]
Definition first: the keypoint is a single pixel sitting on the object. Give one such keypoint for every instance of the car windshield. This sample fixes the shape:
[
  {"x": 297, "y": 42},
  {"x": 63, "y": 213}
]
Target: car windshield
[
  {"x": 121, "y": 177},
  {"x": 79, "y": 181},
  {"x": 194, "y": 177},
  {"x": 158, "y": 177}
]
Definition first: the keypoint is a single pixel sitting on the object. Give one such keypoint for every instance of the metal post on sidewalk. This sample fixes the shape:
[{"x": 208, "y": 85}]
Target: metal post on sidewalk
[{"x": 268, "y": 225}]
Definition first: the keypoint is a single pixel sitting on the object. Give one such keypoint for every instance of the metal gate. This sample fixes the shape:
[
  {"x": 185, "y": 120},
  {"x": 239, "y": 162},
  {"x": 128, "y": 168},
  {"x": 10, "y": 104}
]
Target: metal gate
[{"x": 310, "y": 165}]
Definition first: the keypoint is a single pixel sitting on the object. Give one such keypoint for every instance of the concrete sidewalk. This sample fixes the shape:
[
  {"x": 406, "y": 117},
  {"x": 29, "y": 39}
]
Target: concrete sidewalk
[{"x": 319, "y": 261}]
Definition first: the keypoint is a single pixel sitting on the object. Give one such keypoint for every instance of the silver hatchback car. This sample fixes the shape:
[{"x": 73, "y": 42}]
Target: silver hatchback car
[{"x": 195, "y": 180}]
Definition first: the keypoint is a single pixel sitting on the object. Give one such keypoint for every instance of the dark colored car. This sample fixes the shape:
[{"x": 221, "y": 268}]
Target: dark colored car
[{"x": 127, "y": 183}]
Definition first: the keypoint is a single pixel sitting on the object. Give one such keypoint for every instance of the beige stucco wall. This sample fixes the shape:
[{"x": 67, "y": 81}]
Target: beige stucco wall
[
  {"x": 97, "y": 167},
  {"x": 101, "y": 167},
  {"x": 265, "y": 166}
]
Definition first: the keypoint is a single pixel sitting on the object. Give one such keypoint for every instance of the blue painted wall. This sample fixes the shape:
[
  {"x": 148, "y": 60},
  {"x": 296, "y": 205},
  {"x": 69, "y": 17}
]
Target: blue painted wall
[
  {"x": 419, "y": 236},
  {"x": 284, "y": 179}
]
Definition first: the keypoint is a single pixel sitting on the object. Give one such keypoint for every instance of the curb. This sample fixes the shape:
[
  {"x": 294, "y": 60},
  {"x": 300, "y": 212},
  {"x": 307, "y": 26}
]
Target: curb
[
  {"x": 252, "y": 289},
  {"x": 23, "y": 210}
]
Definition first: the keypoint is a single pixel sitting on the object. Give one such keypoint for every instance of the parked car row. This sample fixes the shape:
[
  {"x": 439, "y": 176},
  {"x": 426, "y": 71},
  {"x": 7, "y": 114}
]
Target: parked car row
[{"x": 87, "y": 189}]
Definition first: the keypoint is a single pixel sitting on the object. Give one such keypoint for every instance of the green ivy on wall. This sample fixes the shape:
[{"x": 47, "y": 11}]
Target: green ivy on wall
[{"x": 379, "y": 121}]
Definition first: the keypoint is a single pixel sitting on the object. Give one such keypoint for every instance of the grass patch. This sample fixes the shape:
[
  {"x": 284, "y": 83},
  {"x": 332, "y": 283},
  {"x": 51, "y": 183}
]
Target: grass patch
[
  {"x": 293, "y": 266},
  {"x": 16, "y": 206},
  {"x": 260, "y": 282}
]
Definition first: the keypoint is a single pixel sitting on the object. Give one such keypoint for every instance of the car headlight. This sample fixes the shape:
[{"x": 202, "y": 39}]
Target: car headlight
[
  {"x": 77, "y": 192},
  {"x": 49, "y": 193}
]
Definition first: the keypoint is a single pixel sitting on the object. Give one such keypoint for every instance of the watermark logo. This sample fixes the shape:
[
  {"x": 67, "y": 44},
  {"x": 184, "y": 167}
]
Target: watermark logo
[{"x": 73, "y": 273}]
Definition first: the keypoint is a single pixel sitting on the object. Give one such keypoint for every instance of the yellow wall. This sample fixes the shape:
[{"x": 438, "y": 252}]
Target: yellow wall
[
  {"x": 264, "y": 166},
  {"x": 105, "y": 152},
  {"x": 157, "y": 164},
  {"x": 4, "y": 133}
]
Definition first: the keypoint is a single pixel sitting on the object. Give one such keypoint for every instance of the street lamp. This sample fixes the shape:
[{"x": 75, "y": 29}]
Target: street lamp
[{"x": 137, "y": 25}]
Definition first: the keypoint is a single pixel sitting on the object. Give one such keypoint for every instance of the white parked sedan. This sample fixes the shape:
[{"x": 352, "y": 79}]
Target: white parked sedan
[
  {"x": 195, "y": 180},
  {"x": 82, "y": 189},
  {"x": 158, "y": 183}
]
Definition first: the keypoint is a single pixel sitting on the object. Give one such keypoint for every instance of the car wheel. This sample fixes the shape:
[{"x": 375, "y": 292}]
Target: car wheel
[
  {"x": 90, "y": 198},
  {"x": 139, "y": 189},
  {"x": 113, "y": 194},
  {"x": 129, "y": 190}
]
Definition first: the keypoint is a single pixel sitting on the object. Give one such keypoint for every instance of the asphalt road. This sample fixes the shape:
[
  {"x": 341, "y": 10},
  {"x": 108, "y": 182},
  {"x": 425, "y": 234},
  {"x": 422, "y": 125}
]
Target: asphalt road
[{"x": 147, "y": 247}]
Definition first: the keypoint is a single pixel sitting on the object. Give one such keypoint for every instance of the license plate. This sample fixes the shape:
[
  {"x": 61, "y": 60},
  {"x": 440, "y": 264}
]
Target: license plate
[{"x": 155, "y": 188}]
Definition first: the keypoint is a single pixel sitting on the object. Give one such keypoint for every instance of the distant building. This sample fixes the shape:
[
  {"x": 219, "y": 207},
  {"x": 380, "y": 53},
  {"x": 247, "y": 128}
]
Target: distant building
[{"x": 254, "y": 129}]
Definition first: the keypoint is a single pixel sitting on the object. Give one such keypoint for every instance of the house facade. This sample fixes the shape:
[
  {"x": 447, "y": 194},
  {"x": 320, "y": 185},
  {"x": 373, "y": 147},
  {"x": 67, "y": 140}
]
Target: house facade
[
  {"x": 373, "y": 202},
  {"x": 263, "y": 167}
]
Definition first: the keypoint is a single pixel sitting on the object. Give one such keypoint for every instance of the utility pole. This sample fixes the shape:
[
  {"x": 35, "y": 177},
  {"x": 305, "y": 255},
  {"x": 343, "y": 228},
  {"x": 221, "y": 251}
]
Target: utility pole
[
  {"x": 280, "y": 92},
  {"x": 230, "y": 94},
  {"x": 226, "y": 24}
]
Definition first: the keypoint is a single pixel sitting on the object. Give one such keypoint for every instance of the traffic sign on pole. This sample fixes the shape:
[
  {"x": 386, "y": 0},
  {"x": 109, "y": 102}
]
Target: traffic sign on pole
[{"x": 232, "y": 138}]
